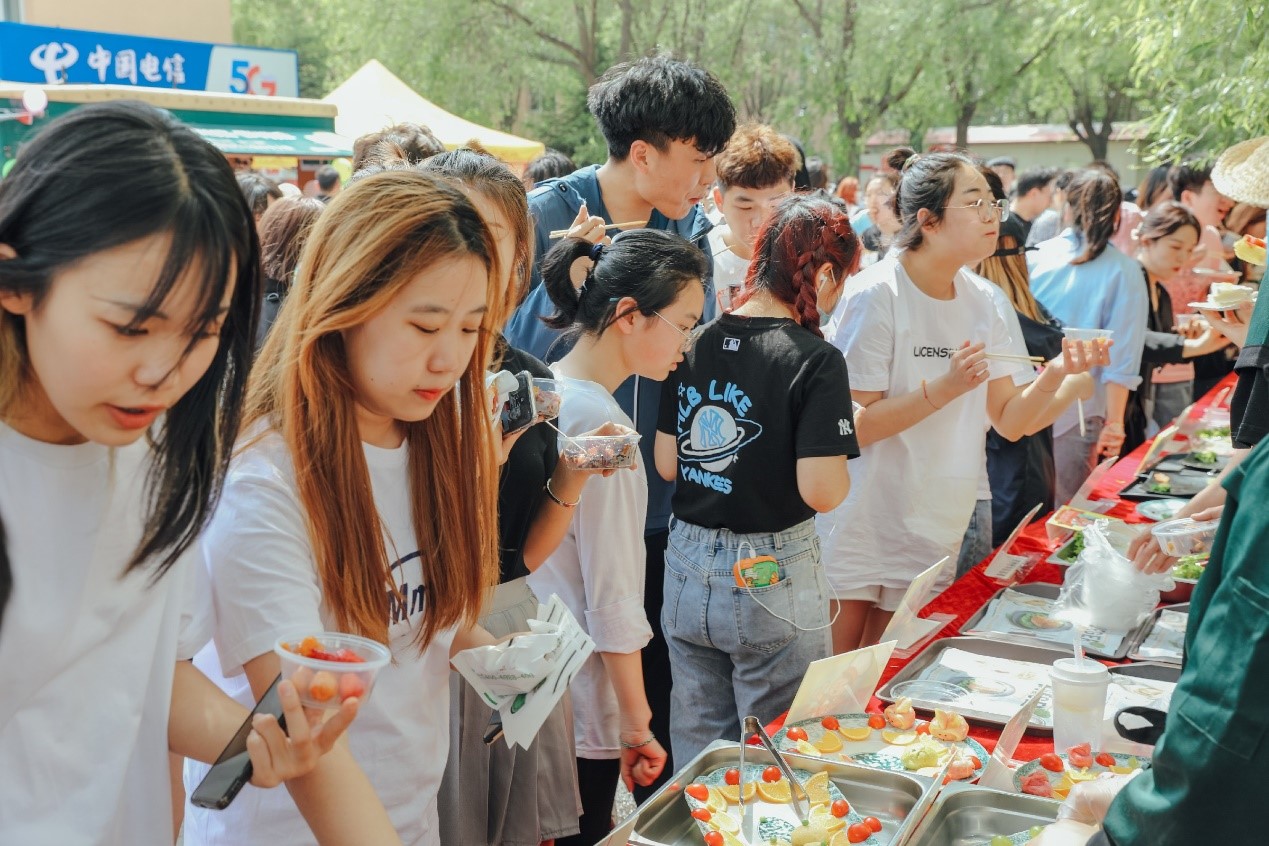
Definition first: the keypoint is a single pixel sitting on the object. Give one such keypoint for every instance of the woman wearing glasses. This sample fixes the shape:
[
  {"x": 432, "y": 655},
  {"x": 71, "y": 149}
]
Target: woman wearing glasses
[
  {"x": 919, "y": 333},
  {"x": 756, "y": 427},
  {"x": 631, "y": 316}
]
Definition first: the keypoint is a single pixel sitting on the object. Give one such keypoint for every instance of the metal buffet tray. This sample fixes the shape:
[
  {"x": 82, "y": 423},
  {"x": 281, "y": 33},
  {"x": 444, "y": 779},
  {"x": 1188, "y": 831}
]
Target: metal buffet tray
[
  {"x": 666, "y": 819},
  {"x": 1153, "y": 670},
  {"x": 1047, "y": 591},
  {"x": 1042, "y": 655},
  {"x": 1144, "y": 634},
  {"x": 965, "y": 815}
]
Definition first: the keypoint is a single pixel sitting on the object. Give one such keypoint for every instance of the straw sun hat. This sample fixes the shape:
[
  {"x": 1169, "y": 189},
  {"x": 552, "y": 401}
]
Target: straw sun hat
[{"x": 1242, "y": 172}]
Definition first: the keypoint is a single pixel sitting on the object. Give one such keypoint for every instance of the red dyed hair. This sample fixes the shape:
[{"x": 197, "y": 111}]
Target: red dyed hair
[{"x": 805, "y": 232}]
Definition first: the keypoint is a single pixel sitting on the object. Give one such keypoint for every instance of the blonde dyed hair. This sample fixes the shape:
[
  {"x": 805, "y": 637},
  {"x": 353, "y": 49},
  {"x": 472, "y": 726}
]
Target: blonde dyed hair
[{"x": 372, "y": 240}]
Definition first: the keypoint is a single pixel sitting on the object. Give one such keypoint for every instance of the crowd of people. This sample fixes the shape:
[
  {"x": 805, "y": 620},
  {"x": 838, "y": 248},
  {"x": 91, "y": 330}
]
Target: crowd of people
[{"x": 229, "y": 413}]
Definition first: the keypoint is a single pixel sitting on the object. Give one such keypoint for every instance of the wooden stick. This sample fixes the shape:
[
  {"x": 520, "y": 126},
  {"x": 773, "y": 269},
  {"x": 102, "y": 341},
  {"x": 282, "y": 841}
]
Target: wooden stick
[
  {"x": 560, "y": 233},
  {"x": 1034, "y": 359}
]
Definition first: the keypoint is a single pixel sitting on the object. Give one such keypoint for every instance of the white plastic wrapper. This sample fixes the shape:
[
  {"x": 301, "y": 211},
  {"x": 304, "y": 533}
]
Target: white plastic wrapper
[
  {"x": 525, "y": 676},
  {"x": 1104, "y": 589}
]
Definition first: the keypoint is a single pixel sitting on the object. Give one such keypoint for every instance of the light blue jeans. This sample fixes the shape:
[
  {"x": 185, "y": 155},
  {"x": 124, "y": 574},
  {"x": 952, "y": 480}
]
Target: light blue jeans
[
  {"x": 731, "y": 657},
  {"x": 977, "y": 542}
]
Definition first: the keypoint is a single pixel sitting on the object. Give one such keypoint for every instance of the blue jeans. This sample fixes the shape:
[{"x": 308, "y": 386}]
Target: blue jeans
[
  {"x": 977, "y": 542},
  {"x": 731, "y": 657}
]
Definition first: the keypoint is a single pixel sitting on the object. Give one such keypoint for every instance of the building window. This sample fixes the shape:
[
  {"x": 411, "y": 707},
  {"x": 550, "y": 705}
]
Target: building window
[{"x": 11, "y": 10}]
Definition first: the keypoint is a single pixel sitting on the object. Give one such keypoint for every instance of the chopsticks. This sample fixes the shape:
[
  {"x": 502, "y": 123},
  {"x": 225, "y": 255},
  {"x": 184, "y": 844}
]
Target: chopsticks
[
  {"x": 560, "y": 233},
  {"x": 1033, "y": 359}
]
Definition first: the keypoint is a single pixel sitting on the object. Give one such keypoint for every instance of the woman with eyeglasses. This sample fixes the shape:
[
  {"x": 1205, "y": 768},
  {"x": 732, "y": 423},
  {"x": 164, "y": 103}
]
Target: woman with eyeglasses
[
  {"x": 1087, "y": 283},
  {"x": 921, "y": 336},
  {"x": 631, "y": 316},
  {"x": 756, "y": 427}
]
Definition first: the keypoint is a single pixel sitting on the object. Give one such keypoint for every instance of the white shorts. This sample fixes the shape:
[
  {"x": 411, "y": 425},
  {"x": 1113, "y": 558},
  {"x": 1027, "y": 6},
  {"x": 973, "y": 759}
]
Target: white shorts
[{"x": 887, "y": 599}]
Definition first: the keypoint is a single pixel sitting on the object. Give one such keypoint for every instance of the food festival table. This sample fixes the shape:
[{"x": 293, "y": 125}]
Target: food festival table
[{"x": 972, "y": 591}]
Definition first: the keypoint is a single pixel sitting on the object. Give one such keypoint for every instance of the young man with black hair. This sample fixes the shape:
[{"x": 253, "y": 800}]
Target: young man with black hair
[
  {"x": 1050, "y": 223},
  {"x": 664, "y": 121},
  {"x": 1032, "y": 195},
  {"x": 328, "y": 183},
  {"x": 1006, "y": 169}
]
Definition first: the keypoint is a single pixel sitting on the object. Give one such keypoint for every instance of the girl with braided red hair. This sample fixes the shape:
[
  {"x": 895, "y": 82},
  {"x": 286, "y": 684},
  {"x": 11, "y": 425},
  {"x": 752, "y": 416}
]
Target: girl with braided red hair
[{"x": 756, "y": 427}]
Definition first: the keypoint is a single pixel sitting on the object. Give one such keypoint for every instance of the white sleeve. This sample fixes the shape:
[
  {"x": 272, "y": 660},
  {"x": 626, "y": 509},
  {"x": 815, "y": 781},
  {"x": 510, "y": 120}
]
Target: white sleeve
[
  {"x": 608, "y": 528},
  {"x": 1006, "y": 336},
  {"x": 264, "y": 584},
  {"x": 197, "y": 617},
  {"x": 866, "y": 337}
]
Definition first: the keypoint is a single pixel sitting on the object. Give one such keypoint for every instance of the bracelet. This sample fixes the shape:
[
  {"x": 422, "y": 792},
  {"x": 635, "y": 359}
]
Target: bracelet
[
  {"x": 624, "y": 745},
  {"x": 561, "y": 503},
  {"x": 925, "y": 393}
]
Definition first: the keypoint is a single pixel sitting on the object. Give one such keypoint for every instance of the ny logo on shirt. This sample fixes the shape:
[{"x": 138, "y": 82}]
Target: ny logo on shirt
[{"x": 845, "y": 427}]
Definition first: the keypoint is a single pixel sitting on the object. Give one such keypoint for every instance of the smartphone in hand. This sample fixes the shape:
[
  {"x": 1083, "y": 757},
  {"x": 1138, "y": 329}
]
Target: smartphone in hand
[
  {"x": 233, "y": 768},
  {"x": 519, "y": 411}
]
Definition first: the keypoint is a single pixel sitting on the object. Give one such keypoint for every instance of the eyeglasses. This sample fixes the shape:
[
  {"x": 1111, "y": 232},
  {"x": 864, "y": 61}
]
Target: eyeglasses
[
  {"x": 988, "y": 210},
  {"x": 689, "y": 338}
]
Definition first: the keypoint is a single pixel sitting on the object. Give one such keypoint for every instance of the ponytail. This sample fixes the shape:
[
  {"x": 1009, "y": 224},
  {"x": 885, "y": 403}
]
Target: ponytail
[
  {"x": 805, "y": 232},
  {"x": 650, "y": 266},
  {"x": 1094, "y": 197}
]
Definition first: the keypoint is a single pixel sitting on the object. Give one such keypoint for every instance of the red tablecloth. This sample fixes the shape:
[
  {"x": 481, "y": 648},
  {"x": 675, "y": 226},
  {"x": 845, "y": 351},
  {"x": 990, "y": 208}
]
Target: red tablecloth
[{"x": 972, "y": 591}]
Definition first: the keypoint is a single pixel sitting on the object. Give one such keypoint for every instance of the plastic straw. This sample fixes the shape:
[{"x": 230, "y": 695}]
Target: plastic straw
[
  {"x": 1079, "y": 409},
  {"x": 1077, "y": 644}
]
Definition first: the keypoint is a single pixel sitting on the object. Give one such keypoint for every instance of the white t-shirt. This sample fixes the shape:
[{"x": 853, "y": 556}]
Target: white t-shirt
[
  {"x": 729, "y": 270},
  {"x": 265, "y": 586},
  {"x": 1017, "y": 346},
  {"x": 911, "y": 494},
  {"x": 598, "y": 570},
  {"x": 86, "y": 657}
]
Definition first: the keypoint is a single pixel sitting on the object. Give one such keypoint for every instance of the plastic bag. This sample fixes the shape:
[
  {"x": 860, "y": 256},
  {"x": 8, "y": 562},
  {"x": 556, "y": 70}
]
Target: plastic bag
[{"x": 1104, "y": 590}]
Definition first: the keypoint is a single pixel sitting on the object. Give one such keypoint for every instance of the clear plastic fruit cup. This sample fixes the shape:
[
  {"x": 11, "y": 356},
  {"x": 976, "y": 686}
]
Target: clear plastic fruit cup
[
  {"x": 601, "y": 452},
  {"x": 1073, "y": 334},
  {"x": 547, "y": 397},
  {"x": 323, "y": 683},
  {"x": 1184, "y": 536}
]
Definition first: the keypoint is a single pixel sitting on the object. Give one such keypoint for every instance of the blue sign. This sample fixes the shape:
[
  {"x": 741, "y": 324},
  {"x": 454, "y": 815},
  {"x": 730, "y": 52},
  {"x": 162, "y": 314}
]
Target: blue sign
[{"x": 53, "y": 56}]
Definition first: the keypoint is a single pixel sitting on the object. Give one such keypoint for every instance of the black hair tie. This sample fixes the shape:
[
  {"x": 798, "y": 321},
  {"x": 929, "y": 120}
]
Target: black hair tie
[{"x": 596, "y": 251}]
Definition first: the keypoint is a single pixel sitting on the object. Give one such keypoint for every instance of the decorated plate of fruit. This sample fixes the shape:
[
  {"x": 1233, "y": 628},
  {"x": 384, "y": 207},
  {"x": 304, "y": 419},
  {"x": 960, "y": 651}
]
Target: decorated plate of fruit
[
  {"x": 894, "y": 740},
  {"x": 715, "y": 802},
  {"x": 1052, "y": 775}
]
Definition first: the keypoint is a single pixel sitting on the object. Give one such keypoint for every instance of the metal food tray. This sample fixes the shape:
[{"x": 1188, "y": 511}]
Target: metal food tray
[
  {"x": 965, "y": 814},
  {"x": 1047, "y": 591},
  {"x": 1144, "y": 633},
  {"x": 1195, "y": 481},
  {"x": 1041, "y": 655},
  {"x": 665, "y": 817},
  {"x": 1153, "y": 670}
]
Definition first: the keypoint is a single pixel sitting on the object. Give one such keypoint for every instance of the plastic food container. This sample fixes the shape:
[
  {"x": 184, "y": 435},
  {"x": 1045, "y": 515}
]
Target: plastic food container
[
  {"x": 547, "y": 398},
  {"x": 323, "y": 683},
  {"x": 1185, "y": 536},
  {"x": 601, "y": 452},
  {"x": 1086, "y": 334}
]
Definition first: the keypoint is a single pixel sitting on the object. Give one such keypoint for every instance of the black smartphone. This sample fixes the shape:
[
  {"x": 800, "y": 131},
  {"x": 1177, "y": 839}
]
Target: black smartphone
[
  {"x": 233, "y": 768},
  {"x": 519, "y": 411}
]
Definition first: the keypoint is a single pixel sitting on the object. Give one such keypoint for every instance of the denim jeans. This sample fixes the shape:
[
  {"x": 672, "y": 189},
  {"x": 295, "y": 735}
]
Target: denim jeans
[
  {"x": 977, "y": 542},
  {"x": 731, "y": 654},
  {"x": 1073, "y": 458}
]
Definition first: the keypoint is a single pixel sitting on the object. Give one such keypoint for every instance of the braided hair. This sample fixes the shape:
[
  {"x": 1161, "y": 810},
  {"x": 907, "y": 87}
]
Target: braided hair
[
  {"x": 805, "y": 232},
  {"x": 1094, "y": 198}
]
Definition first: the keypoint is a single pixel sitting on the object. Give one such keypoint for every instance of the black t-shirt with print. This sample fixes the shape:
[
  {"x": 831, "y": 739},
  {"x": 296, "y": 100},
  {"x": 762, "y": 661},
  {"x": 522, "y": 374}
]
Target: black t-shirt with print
[{"x": 753, "y": 396}]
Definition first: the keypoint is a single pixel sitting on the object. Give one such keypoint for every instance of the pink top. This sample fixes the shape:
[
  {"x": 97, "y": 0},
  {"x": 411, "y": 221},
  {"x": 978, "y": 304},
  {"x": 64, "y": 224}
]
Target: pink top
[{"x": 1189, "y": 287}]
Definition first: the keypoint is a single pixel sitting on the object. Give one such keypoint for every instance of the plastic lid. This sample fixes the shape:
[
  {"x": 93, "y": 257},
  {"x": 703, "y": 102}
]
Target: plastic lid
[
  {"x": 1184, "y": 526},
  {"x": 1087, "y": 671},
  {"x": 925, "y": 690}
]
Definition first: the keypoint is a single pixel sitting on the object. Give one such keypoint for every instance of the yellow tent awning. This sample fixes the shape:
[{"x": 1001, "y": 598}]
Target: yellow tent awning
[{"x": 374, "y": 98}]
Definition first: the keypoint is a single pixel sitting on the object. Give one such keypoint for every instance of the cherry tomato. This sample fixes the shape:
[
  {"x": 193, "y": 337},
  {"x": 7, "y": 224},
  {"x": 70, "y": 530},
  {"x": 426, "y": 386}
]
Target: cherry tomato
[
  {"x": 701, "y": 814},
  {"x": 1051, "y": 762},
  {"x": 876, "y": 721},
  {"x": 797, "y": 733},
  {"x": 714, "y": 838},
  {"x": 772, "y": 774},
  {"x": 699, "y": 792},
  {"x": 1105, "y": 759},
  {"x": 732, "y": 776},
  {"x": 873, "y": 823},
  {"x": 973, "y": 759},
  {"x": 858, "y": 833},
  {"x": 840, "y": 808},
  {"x": 922, "y": 728},
  {"x": 830, "y": 723}
]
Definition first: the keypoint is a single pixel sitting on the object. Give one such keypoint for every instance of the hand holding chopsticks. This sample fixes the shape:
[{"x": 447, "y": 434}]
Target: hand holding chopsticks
[{"x": 591, "y": 227}]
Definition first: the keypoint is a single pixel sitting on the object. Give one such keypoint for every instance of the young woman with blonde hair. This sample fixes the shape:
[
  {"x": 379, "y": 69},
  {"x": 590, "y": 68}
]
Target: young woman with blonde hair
[{"x": 364, "y": 496}]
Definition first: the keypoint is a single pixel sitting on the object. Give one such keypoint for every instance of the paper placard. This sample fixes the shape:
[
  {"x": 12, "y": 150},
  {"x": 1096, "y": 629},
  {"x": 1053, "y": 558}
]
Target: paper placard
[
  {"x": 999, "y": 775},
  {"x": 1005, "y": 566},
  {"x": 904, "y": 627},
  {"x": 843, "y": 684},
  {"x": 1081, "y": 500}
]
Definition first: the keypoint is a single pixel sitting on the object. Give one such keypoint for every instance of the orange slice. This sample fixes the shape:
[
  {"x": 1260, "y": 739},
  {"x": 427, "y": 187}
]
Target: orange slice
[
  {"x": 898, "y": 738},
  {"x": 775, "y": 792},
  {"x": 817, "y": 791},
  {"x": 857, "y": 734},
  {"x": 731, "y": 792},
  {"x": 830, "y": 742}
]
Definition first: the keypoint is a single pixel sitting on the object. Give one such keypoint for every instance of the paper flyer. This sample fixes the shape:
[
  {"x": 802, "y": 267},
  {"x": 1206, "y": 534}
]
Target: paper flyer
[
  {"x": 1005, "y": 567},
  {"x": 905, "y": 627},
  {"x": 1020, "y": 614},
  {"x": 525, "y": 676},
  {"x": 997, "y": 686},
  {"x": 999, "y": 773},
  {"x": 842, "y": 684}
]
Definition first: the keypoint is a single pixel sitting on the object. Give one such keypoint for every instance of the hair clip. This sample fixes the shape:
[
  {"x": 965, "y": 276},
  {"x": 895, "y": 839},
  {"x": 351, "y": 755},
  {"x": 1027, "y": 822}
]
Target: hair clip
[{"x": 596, "y": 251}]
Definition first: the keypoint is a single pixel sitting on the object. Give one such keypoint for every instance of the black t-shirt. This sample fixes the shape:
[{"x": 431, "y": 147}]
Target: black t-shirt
[
  {"x": 753, "y": 396},
  {"x": 522, "y": 483}
]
